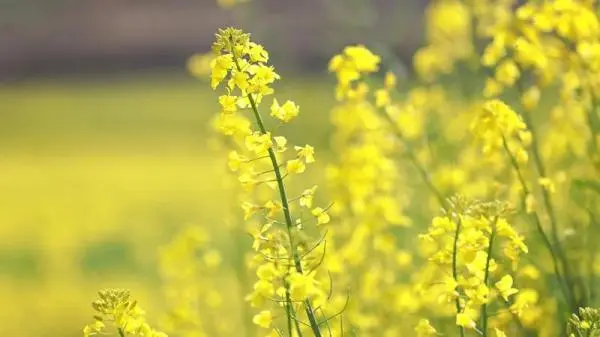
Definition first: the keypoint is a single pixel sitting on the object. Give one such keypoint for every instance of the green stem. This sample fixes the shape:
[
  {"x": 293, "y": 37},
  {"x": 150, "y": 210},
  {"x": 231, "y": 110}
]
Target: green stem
[
  {"x": 291, "y": 314},
  {"x": 285, "y": 205},
  {"x": 455, "y": 269},
  {"x": 592, "y": 125},
  {"x": 486, "y": 278},
  {"x": 541, "y": 169},
  {"x": 288, "y": 309},
  {"x": 546, "y": 197},
  {"x": 538, "y": 223},
  {"x": 121, "y": 332},
  {"x": 592, "y": 254}
]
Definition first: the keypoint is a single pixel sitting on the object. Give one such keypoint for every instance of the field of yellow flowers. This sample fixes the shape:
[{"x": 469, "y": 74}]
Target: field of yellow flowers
[
  {"x": 459, "y": 202},
  {"x": 95, "y": 177}
]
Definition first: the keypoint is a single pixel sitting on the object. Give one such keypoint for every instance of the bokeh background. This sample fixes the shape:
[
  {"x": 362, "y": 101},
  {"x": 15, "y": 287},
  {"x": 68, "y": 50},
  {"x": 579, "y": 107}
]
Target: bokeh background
[{"x": 105, "y": 148}]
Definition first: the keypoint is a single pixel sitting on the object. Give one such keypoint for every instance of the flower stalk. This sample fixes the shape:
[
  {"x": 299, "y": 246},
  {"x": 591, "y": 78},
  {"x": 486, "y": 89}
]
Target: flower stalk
[{"x": 486, "y": 278}]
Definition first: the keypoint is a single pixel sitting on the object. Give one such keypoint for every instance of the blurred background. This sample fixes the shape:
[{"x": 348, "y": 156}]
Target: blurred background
[{"x": 104, "y": 136}]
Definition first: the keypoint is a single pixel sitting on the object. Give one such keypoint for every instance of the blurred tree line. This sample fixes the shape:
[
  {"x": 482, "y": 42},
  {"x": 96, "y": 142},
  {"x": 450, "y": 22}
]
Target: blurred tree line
[{"x": 40, "y": 38}]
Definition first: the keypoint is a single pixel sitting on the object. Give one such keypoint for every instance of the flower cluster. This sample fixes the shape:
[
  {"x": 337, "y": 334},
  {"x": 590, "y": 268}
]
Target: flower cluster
[
  {"x": 365, "y": 181},
  {"x": 498, "y": 126},
  {"x": 469, "y": 245},
  {"x": 117, "y": 310},
  {"x": 285, "y": 260},
  {"x": 449, "y": 39},
  {"x": 586, "y": 322},
  {"x": 546, "y": 44}
]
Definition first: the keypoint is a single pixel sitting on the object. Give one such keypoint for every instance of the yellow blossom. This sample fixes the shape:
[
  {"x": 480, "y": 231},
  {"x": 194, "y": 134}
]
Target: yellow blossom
[
  {"x": 263, "y": 319},
  {"x": 321, "y": 215},
  {"x": 465, "y": 319},
  {"x": 228, "y": 103},
  {"x": 306, "y": 152},
  {"x": 424, "y": 329},
  {"x": 390, "y": 80},
  {"x": 505, "y": 288},
  {"x": 259, "y": 143},
  {"x": 235, "y": 160},
  {"x": 280, "y": 143},
  {"x": 286, "y": 112},
  {"x": 273, "y": 207},
  {"x": 249, "y": 209},
  {"x": 295, "y": 166},
  {"x": 306, "y": 199}
]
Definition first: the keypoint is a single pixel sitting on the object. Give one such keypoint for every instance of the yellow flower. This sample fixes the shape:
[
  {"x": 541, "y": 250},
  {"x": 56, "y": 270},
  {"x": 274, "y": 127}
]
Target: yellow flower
[
  {"x": 448, "y": 290},
  {"x": 424, "y": 329},
  {"x": 259, "y": 143},
  {"x": 530, "y": 98},
  {"x": 321, "y": 215},
  {"x": 280, "y": 143},
  {"x": 264, "y": 288},
  {"x": 272, "y": 208},
  {"x": 499, "y": 333},
  {"x": 507, "y": 72},
  {"x": 232, "y": 124},
  {"x": 529, "y": 271},
  {"x": 529, "y": 55},
  {"x": 494, "y": 51},
  {"x": 263, "y": 319},
  {"x": 220, "y": 68},
  {"x": 295, "y": 166},
  {"x": 306, "y": 199},
  {"x": 238, "y": 79},
  {"x": 389, "y": 82},
  {"x": 306, "y": 152},
  {"x": 492, "y": 88},
  {"x": 228, "y": 103},
  {"x": 235, "y": 160},
  {"x": 524, "y": 300},
  {"x": 301, "y": 286},
  {"x": 249, "y": 209},
  {"x": 497, "y": 122},
  {"x": 505, "y": 287},
  {"x": 117, "y": 306},
  {"x": 403, "y": 259},
  {"x": 382, "y": 98},
  {"x": 479, "y": 294},
  {"x": 248, "y": 180},
  {"x": 362, "y": 58},
  {"x": 257, "y": 53},
  {"x": 93, "y": 329},
  {"x": 465, "y": 320},
  {"x": 286, "y": 112},
  {"x": 266, "y": 271}
]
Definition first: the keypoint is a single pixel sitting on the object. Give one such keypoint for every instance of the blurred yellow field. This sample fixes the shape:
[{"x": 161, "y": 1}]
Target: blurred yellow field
[{"x": 95, "y": 176}]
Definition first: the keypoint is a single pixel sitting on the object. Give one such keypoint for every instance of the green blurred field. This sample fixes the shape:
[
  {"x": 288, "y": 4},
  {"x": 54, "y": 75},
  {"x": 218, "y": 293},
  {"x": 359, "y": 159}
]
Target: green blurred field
[{"x": 95, "y": 175}]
